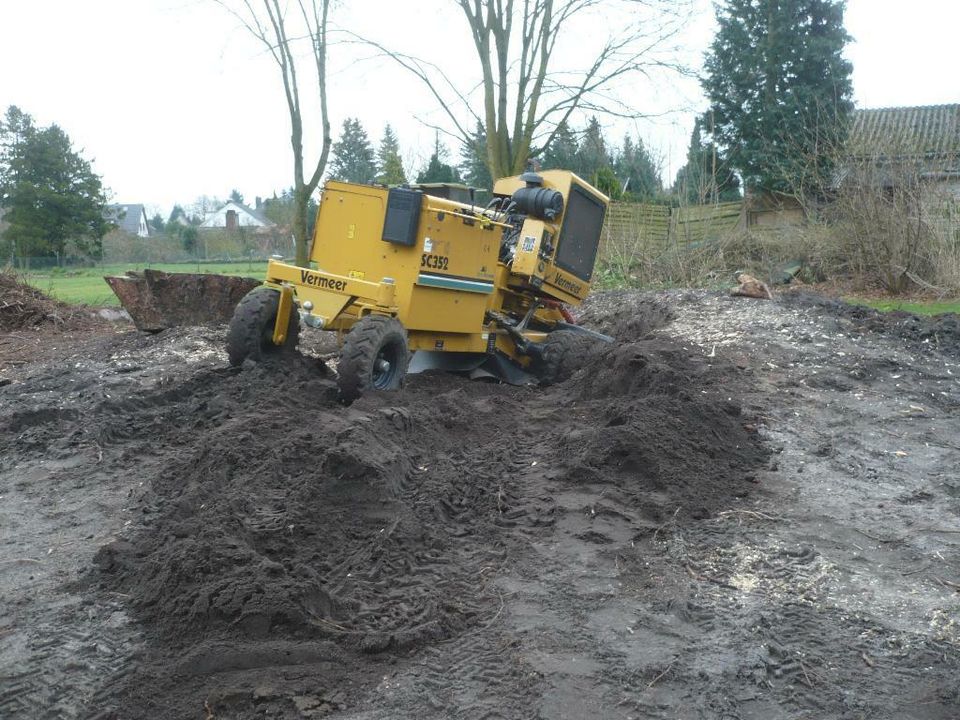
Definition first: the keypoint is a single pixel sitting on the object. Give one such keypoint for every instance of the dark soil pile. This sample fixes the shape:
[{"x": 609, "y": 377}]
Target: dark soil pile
[
  {"x": 624, "y": 314},
  {"x": 287, "y": 518},
  {"x": 23, "y": 306}
]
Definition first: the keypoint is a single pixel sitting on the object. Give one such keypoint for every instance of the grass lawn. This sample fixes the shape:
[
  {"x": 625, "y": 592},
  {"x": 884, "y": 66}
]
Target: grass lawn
[
  {"x": 917, "y": 308},
  {"x": 86, "y": 285}
]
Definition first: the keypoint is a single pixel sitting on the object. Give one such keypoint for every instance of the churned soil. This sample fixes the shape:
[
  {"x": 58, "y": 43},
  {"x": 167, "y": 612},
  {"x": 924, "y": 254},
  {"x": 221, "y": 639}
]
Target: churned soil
[{"x": 738, "y": 509}]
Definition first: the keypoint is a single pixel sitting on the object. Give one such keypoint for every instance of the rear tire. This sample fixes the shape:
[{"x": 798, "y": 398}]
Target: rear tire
[
  {"x": 562, "y": 354},
  {"x": 250, "y": 335},
  {"x": 374, "y": 356}
]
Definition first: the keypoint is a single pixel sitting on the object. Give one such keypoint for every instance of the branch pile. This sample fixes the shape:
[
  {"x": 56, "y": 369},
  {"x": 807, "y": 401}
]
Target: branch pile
[{"x": 23, "y": 306}]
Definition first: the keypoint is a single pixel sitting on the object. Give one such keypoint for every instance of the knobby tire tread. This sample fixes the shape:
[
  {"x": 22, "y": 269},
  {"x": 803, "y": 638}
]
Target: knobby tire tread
[
  {"x": 255, "y": 311},
  {"x": 360, "y": 349},
  {"x": 564, "y": 353}
]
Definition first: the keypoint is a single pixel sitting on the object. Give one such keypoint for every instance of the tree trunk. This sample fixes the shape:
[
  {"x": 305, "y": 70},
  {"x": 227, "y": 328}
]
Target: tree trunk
[{"x": 301, "y": 199}]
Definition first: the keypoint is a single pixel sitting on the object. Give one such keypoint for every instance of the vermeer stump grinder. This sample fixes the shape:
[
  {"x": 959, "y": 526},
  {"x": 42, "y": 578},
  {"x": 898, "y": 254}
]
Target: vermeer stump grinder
[{"x": 395, "y": 271}]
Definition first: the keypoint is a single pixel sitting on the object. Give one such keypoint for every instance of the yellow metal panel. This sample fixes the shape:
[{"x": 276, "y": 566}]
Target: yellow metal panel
[
  {"x": 565, "y": 286},
  {"x": 529, "y": 267},
  {"x": 446, "y": 311},
  {"x": 527, "y": 260},
  {"x": 326, "y": 306},
  {"x": 447, "y": 342},
  {"x": 453, "y": 250},
  {"x": 314, "y": 279}
]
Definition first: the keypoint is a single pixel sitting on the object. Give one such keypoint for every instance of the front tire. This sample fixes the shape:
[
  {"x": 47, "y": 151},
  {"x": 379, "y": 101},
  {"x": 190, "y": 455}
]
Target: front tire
[
  {"x": 250, "y": 335},
  {"x": 374, "y": 356}
]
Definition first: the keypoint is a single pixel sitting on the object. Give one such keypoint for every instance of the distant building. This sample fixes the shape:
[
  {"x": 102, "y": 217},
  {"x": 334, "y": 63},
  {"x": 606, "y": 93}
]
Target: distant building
[
  {"x": 131, "y": 219},
  {"x": 887, "y": 149},
  {"x": 233, "y": 215},
  {"x": 890, "y": 146}
]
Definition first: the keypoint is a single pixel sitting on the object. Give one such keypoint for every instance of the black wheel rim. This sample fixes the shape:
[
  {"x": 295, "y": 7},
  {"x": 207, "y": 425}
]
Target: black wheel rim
[{"x": 386, "y": 366}]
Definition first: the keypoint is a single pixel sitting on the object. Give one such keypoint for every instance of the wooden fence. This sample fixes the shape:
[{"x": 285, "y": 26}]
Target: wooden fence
[{"x": 656, "y": 228}]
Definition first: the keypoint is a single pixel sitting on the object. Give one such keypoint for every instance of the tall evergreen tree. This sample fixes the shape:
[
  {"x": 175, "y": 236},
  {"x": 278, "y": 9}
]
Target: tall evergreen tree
[
  {"x": 177, "y": 215},
  {"x": 561, "y": 153},
  {"x": 780, "y": 90},
  {"x": 637, "y": 171},
  {"x": 389, "y": 165},
  {"x": 353, "y": 159},
  {"x": 49, "y": 193},
  {"x": 282, "y": 210},
  {"x": 438, "y": 171},
  {"x": 473, "y": 164},
  {"x": 592, "y": 154},
  {"x": 706, "y": 177}
]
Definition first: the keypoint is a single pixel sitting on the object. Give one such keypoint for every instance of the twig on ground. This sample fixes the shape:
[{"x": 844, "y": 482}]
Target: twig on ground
[
  {"x": 497, "y": 613},
  {"x": 672, "y": 519},
  {"x": 880, "y": 539},
  {"x": 947, "y": 583},
  {"x": 751, "y": 513},
  {"x": 334, "y": 625},
  {"x": 660, "y": 676},
  {"x": 948, "y": 531}
]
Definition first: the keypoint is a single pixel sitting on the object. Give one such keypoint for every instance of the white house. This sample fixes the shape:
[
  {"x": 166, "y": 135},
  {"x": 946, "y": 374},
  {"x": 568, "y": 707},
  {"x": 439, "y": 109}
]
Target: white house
[
  {"x": 234, "y": 215},
  {"x": 130, "y": 219}
]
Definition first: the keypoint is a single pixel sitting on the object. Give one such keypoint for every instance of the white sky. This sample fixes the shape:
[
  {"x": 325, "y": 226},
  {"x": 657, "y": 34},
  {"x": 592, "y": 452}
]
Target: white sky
[{"x": 172, "y": 100}]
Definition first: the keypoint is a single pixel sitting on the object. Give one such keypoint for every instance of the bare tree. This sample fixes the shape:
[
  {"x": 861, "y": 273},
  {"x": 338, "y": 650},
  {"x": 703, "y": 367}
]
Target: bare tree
[
  {"x": 269, "y": 22},
  {"x": 525, "y": 98},
  {"x": 894, "y": 217}
]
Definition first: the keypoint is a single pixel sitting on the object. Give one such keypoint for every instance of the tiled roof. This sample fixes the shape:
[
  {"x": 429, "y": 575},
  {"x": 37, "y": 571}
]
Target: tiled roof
[
  {"x": 127, "y": 217},
  {"x": 931, "y": 131}
]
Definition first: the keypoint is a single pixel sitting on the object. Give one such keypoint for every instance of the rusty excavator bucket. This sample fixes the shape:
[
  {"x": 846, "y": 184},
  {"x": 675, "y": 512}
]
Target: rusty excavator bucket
[{"x": 158, "y": 300}]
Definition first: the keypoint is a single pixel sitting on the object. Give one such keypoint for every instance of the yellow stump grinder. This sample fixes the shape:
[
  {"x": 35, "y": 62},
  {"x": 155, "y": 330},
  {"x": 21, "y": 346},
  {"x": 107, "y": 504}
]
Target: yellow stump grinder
[{"x": 395, "y": 271}]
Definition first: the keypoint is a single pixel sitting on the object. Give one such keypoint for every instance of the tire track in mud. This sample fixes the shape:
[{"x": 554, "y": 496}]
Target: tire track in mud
[
  {"x": 300, "y": 543},
  {"x": 64, "y": 488},
  {"x": 391, "y": 581},
  {"x": 601, "y": 549},
  {"x": 810, "y": 597}
]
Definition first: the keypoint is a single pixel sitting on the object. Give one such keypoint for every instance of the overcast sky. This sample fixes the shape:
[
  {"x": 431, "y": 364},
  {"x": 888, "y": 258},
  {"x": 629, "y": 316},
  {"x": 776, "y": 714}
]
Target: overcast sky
[{"x": 172, "y": 100}]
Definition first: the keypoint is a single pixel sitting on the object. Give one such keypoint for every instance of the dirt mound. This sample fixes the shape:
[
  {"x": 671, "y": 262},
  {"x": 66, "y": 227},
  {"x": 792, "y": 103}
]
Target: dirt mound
[
  {"x": 287, "y": 517},
  {"x": 624, "y": 314},
  {"x": 23, "y": 306},
  {"x": 940, "y": 332}
]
